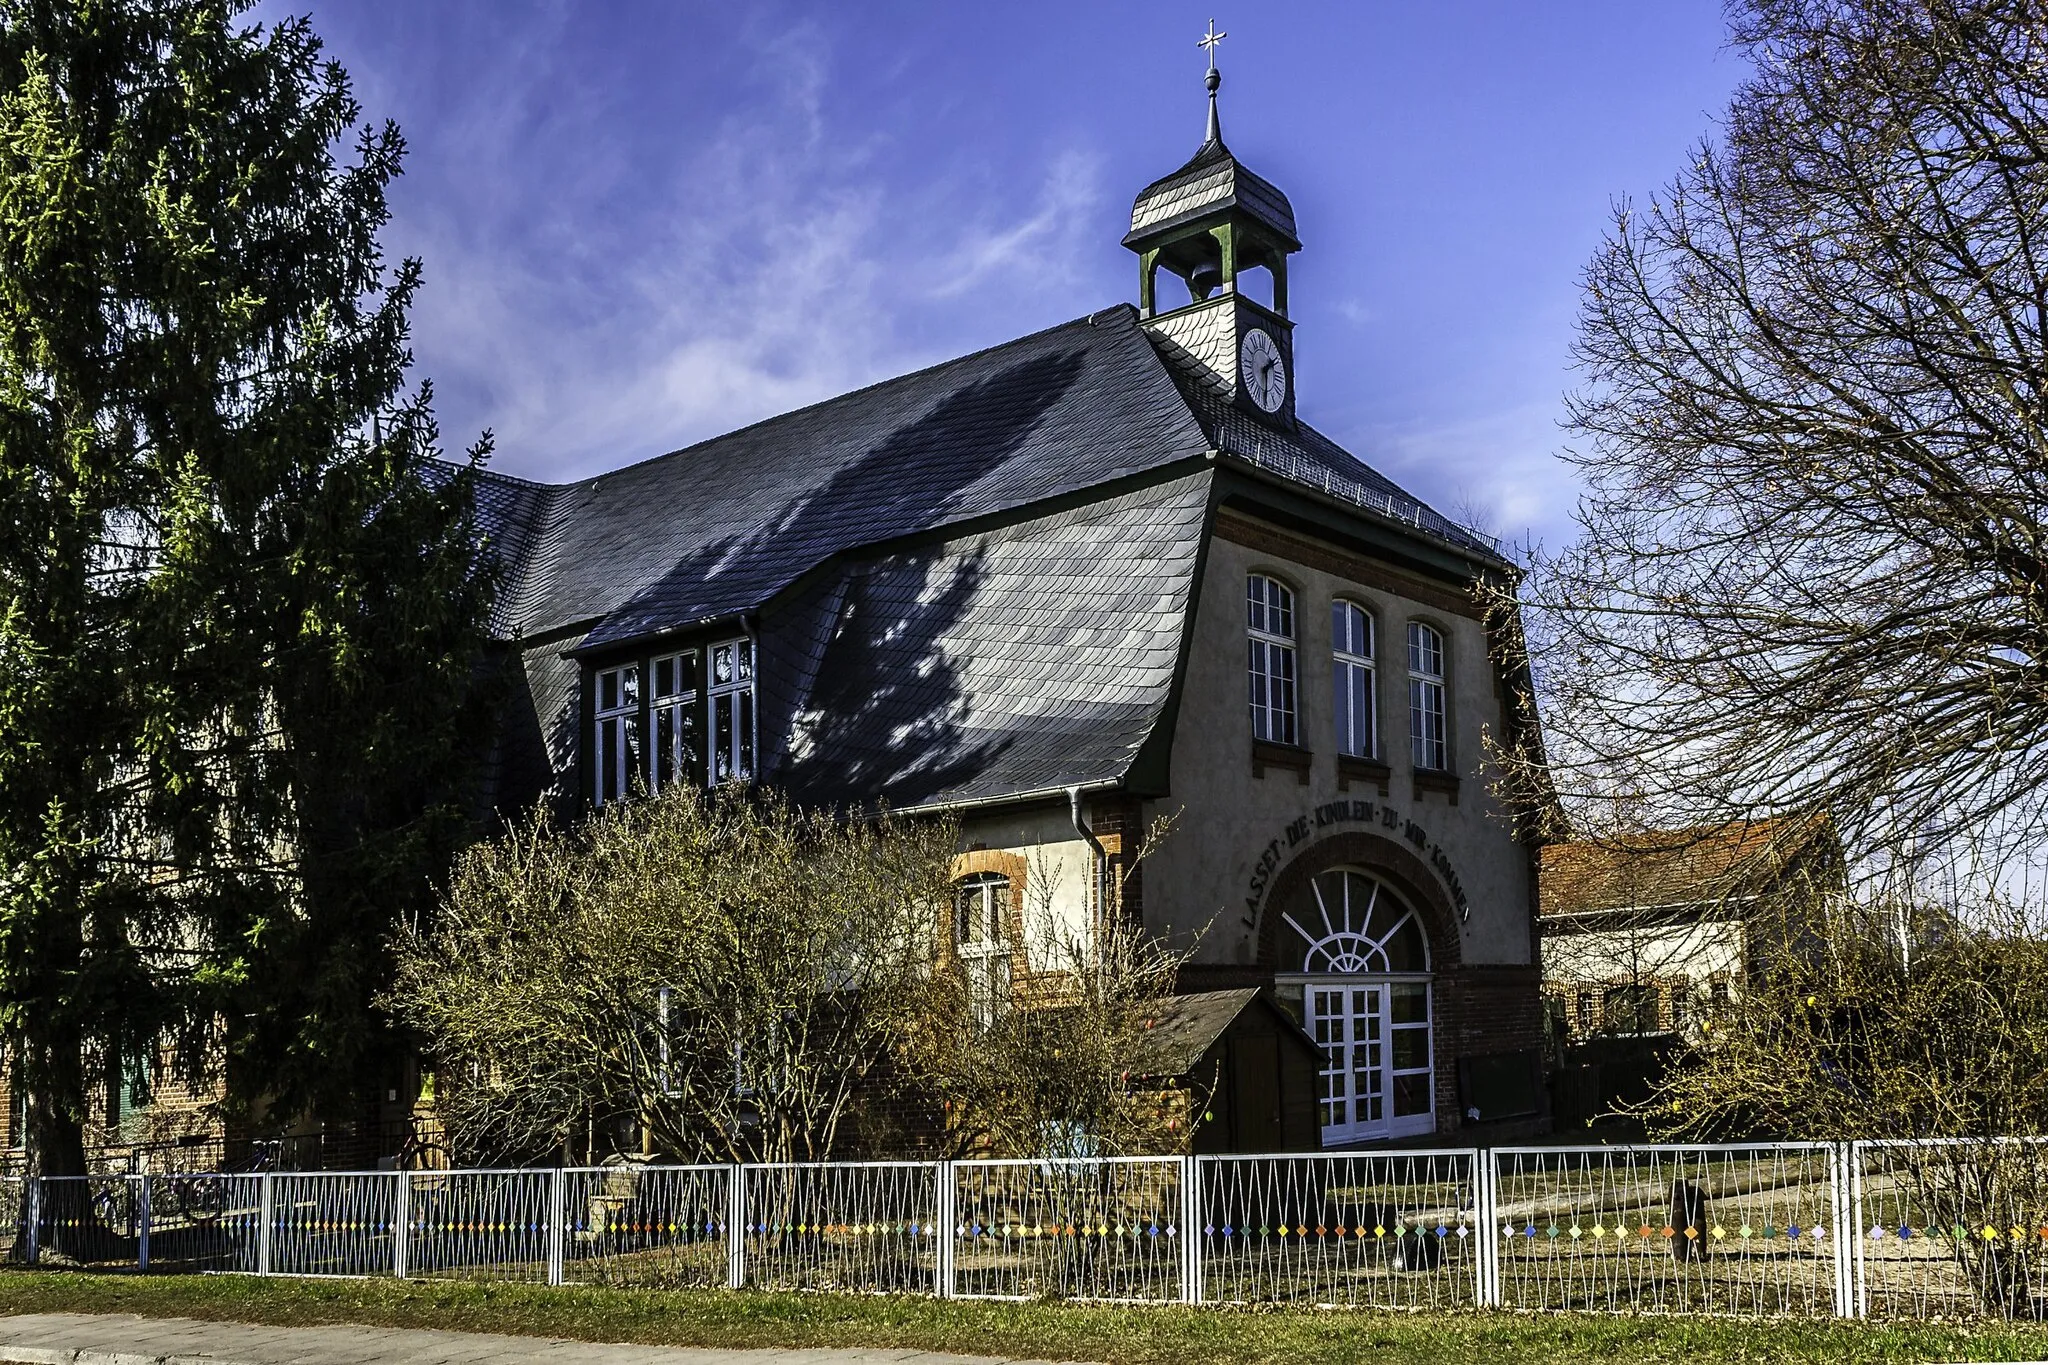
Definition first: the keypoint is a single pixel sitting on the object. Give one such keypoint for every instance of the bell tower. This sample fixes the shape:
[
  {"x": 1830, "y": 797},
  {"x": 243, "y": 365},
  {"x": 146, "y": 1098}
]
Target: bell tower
[{"x": 1206, "y": 224}]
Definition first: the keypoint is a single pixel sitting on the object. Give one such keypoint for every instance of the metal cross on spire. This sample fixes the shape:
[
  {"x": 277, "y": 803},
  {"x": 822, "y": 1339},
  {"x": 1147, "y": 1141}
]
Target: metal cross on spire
[{"x": 1215, "y": 78}]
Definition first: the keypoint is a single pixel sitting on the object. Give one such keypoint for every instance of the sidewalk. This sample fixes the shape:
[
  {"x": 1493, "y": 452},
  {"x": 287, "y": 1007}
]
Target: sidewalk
[{"x": 89, "y": 1339}]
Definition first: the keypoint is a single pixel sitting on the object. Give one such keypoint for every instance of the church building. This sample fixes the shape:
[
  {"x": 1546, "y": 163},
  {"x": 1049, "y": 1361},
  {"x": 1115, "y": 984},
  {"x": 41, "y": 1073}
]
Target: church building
[{"x": 1062, "y": 588}]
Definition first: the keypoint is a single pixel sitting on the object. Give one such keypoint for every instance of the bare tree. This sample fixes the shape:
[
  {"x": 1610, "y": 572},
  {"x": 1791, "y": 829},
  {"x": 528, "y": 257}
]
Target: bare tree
[
  {"x": 1062, "y": 1066},
  {"x": 719, "y": 971},
  {"x": 1895, "y": 1019},
  {"x": 1814, "y": 568}
]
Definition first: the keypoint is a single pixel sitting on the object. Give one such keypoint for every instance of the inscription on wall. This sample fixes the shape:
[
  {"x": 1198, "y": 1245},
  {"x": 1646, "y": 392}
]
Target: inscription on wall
[{"x": 1379, "y": 816}]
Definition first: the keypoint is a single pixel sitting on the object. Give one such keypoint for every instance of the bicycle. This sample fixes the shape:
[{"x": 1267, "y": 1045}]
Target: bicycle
[{"x": 202, "y": 1199}]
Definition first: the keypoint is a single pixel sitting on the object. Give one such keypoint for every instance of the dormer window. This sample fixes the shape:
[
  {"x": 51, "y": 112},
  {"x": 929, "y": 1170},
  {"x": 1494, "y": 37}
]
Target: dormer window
[
  {"x": 1270, "y": 631},
  {"x": 732, "y": 711},
  {"x": 672, "y": 703},
  {"x": 618, "y": 756}
]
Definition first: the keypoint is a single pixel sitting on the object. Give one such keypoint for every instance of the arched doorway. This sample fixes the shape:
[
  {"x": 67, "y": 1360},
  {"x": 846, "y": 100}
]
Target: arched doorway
[{"x": 1357, "y": 953}]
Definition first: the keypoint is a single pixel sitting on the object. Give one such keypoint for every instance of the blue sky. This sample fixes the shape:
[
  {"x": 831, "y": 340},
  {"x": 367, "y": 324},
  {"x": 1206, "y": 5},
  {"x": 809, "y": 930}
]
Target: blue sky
[{"x": 645, "y": 222}]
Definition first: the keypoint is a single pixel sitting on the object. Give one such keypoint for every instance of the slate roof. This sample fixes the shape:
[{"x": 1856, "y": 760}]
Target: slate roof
[
  {"x": 720, "y": 527},
  {"x": 1212, "y": 179},
  {"x": 1019, "y": 660},
  {"x": 949, "y": 603}
]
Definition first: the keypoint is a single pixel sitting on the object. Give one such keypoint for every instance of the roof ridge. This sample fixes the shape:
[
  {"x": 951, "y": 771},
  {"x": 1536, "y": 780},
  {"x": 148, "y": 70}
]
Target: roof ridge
[{"x": 1086, "y": 320}]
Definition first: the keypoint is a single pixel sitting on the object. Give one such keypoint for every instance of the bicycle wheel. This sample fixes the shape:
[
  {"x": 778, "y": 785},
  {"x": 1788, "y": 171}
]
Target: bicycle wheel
[{"x": 201, "y": 1198}]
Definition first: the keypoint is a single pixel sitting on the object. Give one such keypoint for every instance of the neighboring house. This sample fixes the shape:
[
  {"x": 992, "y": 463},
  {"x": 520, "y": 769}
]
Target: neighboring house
[
  {"x": 1059, "y": 588},
  {"x": 1644, "y": 937}
]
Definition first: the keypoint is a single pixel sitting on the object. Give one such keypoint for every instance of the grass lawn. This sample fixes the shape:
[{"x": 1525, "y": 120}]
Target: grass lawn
[{"x": 1119, "y": 1336}]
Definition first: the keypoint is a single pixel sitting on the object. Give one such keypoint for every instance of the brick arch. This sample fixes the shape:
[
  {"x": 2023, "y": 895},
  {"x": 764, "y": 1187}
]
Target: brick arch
[{"x": 1383, "y": 858}]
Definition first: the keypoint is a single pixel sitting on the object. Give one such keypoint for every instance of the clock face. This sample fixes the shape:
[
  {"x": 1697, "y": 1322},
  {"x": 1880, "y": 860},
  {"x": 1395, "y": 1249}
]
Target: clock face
[{"x": 1262, "y": 370}]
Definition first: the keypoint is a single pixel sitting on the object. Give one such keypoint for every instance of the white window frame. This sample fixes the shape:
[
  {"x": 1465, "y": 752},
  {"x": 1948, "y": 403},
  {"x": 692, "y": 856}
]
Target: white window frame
[
  {"x": 1355, "y": 678},
  {"x": 615, "y": 732},
  {"x": 734, "y": 747},
  {"x": 672, "y": 716},
  {"x": 1428, "y": 724},
  {"x": 1270, "y": 659},
  {"x": 985, "y": 961},
  {"x": 1342, "y": 958}
]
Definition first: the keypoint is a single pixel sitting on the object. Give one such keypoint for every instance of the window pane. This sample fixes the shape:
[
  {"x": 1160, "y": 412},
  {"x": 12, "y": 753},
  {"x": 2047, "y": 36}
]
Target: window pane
[
  {"x": 746, "y": 733},
  {"x": 745, "y": 651},
  {"x": 1411, "y": 1002},
  {"x": 721, "y": 665},
  {"x": 1425, "y": 650},
  {"x": 1411, "y": 1094},
  {"x": 608, "y": 690},
  {"x": 1411, "y": 1049},
  {"x": 721, "y": 738},
  {"x": 1406, "y": 952}
]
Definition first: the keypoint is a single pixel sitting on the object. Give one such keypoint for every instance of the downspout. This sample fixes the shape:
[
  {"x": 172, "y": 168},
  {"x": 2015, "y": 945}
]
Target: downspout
[{"x": 1101, "y": 854}]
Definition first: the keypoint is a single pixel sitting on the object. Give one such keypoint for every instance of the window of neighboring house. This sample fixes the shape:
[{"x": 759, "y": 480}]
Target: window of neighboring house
[
  {"x": 1270, "y": 625},
  {"x": 618, "y": 733},
  {"x": 1426, "y": 697},
  {"x": 1680, "y": 1006},
  {"x": 981, "y": 940},
  {"x": 1589, "y": 1013},
  {"x": 1351, "y": 651},
  {"x": 1717, "y": 995},
  {"x": 732, "y": 711},
  {"x": 673, "y": 705},
  {"x": 1630, "y": 1009}
]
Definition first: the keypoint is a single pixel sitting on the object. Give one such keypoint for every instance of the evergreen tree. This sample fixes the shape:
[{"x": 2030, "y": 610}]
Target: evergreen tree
[{"x": 240, "y": 601}]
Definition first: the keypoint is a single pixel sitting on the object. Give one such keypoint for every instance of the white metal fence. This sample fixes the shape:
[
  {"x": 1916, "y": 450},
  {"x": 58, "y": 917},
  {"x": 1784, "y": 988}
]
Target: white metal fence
[{"x": 1870, "y": 1229}]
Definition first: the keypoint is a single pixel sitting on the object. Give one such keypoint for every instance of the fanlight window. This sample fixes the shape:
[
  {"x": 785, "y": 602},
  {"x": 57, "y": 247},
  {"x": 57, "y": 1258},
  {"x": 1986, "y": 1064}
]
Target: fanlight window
[{"x": 1354, "y": 924}]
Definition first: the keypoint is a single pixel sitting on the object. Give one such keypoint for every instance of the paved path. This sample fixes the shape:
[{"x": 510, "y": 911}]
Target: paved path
[{"x": 123, "y": 1339}]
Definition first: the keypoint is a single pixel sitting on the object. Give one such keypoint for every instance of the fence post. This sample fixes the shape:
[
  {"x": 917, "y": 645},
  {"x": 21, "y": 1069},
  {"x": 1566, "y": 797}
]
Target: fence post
[
  {"x": 401, "y": 1224},
  {"x": 1844, "y": 1243},
  {"x": 558, "y": 1212},
  {"x": 141, "y": 1220},
  {"x": 1859, "y": 1282},
  {"x": 944, "y": 1222},
  {"x": 1486, "y": 1219},
  {"x": 35, "y": 1218},
  {"x": 736, "y": 1228},
  {"x": 264, "y": 1229},
  {"x": 1191, "y": 1229}
]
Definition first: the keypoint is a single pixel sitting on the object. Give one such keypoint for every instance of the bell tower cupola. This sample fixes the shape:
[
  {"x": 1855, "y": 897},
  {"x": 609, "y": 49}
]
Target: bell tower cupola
[{"x": 1207, "y": 224}]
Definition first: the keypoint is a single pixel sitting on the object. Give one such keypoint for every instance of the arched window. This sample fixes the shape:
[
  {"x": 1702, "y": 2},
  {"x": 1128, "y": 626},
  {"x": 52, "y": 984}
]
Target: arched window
[
  {"x": 981, "y": 941},
  {"x": 1426, "y": 730},
  {"x": 1351, "y": 653},
  {"x": 1269, "y": 624},
  {"x": 1363, "y": 974}
]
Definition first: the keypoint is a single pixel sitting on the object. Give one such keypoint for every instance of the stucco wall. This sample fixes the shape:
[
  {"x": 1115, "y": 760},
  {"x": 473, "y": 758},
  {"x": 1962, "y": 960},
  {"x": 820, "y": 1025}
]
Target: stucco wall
[
  {"x": 1238, "y": 833},
  {"x": 1056, "y": 867}
]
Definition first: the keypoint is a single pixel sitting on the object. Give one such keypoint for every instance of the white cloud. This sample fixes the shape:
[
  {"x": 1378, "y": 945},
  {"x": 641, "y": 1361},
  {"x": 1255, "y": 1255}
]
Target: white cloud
[
  {"x": 1502, "y": 465},
  {"x": 773, "y": 270}
]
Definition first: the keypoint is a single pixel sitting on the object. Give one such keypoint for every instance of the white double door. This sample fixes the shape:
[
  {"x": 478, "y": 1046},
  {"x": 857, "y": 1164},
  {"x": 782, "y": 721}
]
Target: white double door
[{"x": 1350, "y": 1024}]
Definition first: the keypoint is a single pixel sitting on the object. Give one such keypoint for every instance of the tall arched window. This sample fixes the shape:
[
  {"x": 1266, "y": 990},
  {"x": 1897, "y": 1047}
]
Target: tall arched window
[
  {"x": 1426, "y": 729},
  {"x": 981, "y": 940},
  {"x": 1269, "y": 624},
  {"x": 1363, "y": 973},
  {"x": 1351, "y": 654}
]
